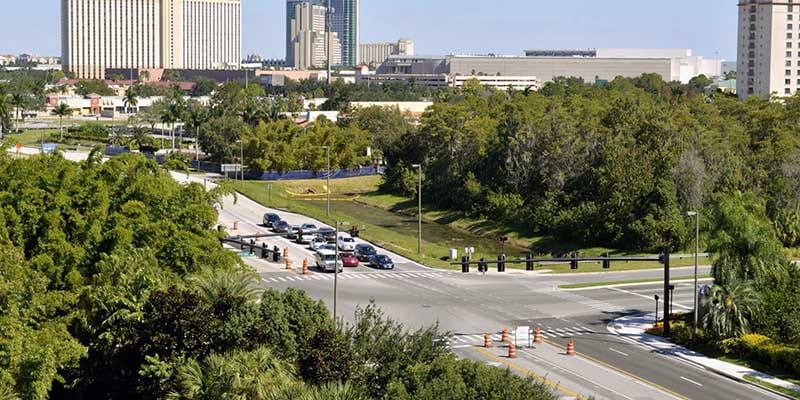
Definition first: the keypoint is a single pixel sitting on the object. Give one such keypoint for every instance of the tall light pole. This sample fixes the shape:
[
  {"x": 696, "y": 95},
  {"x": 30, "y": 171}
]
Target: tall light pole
[
  {"x": 328, "y": 212},
  {"x": 696, "y": 215},
  {"x": 419, "y": 209},
  {"x": 241, "y": 159},
  {"x": 336, "y": 268}
]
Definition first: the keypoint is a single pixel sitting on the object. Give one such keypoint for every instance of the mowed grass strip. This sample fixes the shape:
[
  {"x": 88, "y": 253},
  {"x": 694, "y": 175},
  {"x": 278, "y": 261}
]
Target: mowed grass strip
[
  {"x": 391, "y": 222},
  {"x": 586, "y": 285}
]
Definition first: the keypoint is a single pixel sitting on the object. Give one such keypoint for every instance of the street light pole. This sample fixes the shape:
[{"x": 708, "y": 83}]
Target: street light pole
[
  {"x": 241, "y": 154},
  {"x": 336, "y": 269},
  {"x": 328, "y": 208},
  {"x": 696, "y": 215},
  {"x": 419, "y": 209}
]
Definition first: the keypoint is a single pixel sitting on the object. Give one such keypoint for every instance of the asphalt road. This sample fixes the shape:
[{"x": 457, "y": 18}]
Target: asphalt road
[{"x": 469, "y": 305}]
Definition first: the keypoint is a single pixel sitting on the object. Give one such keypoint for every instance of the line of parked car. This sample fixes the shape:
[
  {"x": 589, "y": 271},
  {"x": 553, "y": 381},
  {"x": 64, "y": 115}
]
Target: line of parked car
[{"x": 323, "y": 242}]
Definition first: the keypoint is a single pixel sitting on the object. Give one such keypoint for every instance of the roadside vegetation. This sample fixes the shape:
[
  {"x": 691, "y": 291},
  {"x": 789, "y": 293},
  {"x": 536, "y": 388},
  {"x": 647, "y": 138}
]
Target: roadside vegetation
[
  {"x": 752, "y": 315},
  {"x": 113, "y": 285}
]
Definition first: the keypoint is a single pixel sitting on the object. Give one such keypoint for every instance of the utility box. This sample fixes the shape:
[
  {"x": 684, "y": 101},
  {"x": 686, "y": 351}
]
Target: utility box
[{"x": 453, "y": 254}]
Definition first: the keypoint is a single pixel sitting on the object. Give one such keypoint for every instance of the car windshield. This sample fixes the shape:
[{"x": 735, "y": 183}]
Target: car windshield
[
  {"x": 309, "y": 226},
  {"x": 330, "y": 257},
  {"x": 348, "y": 240},
  {"x": 383, "y": 259}
]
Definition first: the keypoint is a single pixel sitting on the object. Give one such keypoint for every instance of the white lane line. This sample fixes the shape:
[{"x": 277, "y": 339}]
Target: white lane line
[
  {"x": 462, "y": 346},
  {"x": 618, "y": 352},
  {"x": 282, "y": 279},
  {"x": 691, "y": 381}
]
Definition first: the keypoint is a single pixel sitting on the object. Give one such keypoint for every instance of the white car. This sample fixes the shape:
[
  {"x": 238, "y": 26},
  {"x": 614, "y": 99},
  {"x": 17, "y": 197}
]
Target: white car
[
  {"x": 317, "y": 243},
  {"x": 326, "y": 261},
  {"x": 346, "y": 243},
  {"x": 305, "y": 237},
  {"x": 292, "y": 233}
]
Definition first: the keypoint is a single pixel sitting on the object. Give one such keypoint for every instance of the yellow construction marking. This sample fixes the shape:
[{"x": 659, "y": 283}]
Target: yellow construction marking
[
  {"x": 528, "y": 372},
  {"x": 607, "y": 365}
]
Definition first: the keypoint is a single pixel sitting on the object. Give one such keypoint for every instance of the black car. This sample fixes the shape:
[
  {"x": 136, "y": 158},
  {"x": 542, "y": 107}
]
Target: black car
[
  {"x": 280, "y": 227},
  {"x": 364, "y": 252},
  {"x": 270, "y": 219},
  {"x": 381, "y": 261}
]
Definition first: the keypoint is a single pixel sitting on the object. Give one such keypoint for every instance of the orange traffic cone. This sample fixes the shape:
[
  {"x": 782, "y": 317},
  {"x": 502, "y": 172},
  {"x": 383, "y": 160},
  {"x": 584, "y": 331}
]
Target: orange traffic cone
[
  {"x": 487, "y": 340},
  {"x": 512, "y": 350},
  {"x": 305, "y": 266},
  {"x": 236, "y": 225},
  {"x": 571, "y": 348},
  {"x": 504, "y": 338},
  {"x": 288, "y": 263},
  {"x": 537, "y": 335},
  {"x": 285, "y": 252}
]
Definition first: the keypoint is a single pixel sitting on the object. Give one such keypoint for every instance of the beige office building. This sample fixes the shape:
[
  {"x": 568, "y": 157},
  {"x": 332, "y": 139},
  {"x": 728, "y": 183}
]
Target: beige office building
[
  {"x": 376, "y": 53},
  {"x": 308, "y": 36},
  {"x": 769, "y": 48},
  {"x": 148, "y": 34}
]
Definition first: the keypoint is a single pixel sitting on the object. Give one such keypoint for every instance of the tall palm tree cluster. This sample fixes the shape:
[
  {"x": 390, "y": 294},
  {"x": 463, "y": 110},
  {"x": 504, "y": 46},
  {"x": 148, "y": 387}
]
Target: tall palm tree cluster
[
  {"x": 749, "y": 263},
  {"x": 6, "y": 120}
]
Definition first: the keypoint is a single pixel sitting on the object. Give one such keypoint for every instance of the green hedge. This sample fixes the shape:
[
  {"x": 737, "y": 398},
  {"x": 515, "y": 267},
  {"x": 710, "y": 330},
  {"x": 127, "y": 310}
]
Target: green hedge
[
  {"x": 751, "y": 347},
  {"x": 763, "y": 350}
]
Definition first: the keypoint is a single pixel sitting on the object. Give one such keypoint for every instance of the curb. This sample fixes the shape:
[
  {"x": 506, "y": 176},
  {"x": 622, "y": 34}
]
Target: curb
[{"x": 610, "y": 327}]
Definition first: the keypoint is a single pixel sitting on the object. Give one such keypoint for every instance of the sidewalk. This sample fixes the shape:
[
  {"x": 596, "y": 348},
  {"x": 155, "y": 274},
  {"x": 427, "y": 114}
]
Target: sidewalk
[{"x": 634, "y": 327}]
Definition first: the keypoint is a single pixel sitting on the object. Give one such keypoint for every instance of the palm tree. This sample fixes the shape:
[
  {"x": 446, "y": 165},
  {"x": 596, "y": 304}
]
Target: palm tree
[
  {"x": 62, "y": 110},
  {"x": 130, "y": 99},
  {"x": 215, "y": 286},
  {"x": 6, "y": 120},
  {"x": 18, "y": 100},
  {"x": 256, "y": 375},
  {"x": 196, "y": 115},
  {"x": 730, "y": 309}
]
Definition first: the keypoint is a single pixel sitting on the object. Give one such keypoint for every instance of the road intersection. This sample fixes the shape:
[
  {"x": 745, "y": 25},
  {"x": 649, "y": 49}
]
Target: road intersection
[{"x": 468, "y": 305}]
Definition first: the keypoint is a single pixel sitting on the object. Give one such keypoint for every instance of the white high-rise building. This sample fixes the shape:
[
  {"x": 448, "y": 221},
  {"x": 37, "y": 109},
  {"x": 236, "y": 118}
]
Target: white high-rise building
[
  {"x": 308, "y": 36},
  {"x": 148, "y": 34},
  {"x": 376, "y": 53},
  {"x": 769, "y": 48}
]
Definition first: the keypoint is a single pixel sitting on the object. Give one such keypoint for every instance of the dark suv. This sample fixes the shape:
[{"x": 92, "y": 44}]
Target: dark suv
[
  {"x": 270, "y": 219},
  {"x": 364, "y": 252}
]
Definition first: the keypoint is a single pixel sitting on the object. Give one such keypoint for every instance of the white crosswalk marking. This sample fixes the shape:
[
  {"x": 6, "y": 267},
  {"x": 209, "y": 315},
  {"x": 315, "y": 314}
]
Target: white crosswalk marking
[{"x": 318, "y": 276}]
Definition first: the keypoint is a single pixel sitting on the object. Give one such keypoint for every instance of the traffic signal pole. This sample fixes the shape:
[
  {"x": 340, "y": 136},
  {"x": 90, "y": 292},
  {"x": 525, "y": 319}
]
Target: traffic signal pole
[{"x": 666, "y": 293}]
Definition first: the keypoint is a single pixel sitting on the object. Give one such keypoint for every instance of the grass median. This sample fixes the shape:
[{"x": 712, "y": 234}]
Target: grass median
[
  {"x": 588, "y": 285},
  {"x": 391, "y": 222}
]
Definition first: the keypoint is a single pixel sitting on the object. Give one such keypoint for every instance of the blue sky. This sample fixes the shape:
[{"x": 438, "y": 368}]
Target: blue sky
[{"x": 455, "y": 26}]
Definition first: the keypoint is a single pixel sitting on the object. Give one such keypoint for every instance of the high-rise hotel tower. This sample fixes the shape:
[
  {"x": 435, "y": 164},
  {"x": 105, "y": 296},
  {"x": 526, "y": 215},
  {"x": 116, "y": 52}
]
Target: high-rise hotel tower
[
  {"x": 143, "y": 34},
  {"x": 769, "y": 48}
]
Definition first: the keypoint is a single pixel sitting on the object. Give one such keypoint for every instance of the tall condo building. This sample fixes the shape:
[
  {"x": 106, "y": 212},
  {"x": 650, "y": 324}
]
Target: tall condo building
[
  {"x": 308, "y": 38},
  {"x": 139, "y": 34},
  {"x": 345, "y": 22},
  {"x": 769, "y": 48},
  {"x": 376, "y": 53}
]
